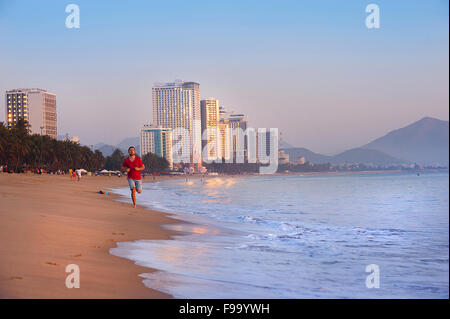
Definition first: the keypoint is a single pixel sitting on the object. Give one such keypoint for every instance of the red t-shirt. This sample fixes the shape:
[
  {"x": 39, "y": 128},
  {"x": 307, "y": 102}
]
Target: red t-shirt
[{"x": 133, "y": 174}]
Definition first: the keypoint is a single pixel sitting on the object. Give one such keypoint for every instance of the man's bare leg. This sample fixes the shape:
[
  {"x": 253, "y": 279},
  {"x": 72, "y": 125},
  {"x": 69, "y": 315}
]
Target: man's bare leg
[
  {"x": 139, "y": 191},
  {"x": 133, "y": 196}
]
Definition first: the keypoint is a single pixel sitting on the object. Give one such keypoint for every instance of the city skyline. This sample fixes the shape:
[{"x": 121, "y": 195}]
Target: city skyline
[{"x": 334, "y": 83}]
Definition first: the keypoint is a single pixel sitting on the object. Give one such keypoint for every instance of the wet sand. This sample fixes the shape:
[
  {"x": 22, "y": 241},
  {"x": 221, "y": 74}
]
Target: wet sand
[{"x": 48, "y": 222}]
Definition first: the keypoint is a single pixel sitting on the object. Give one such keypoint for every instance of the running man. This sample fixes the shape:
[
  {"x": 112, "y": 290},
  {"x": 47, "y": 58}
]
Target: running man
[{"x": 133, "y": 165}]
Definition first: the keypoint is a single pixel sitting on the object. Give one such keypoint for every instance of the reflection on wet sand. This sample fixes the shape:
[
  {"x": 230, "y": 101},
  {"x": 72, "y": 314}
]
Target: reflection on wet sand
[{"x": 195, "y": 229}]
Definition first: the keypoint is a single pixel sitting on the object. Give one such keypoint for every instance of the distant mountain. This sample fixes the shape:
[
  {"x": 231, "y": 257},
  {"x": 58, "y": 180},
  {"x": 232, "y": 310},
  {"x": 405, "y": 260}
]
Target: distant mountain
[
  {"x": 423, "y": 142},
  {"x": 296, "y": 152},
  {"x": 284, "y": 145},
  {"x": 365, "y": 156},
  {"x": 355, "y": 155},
  {"x": 127, "y": 142},
  {"x": 108, "y": 149}
]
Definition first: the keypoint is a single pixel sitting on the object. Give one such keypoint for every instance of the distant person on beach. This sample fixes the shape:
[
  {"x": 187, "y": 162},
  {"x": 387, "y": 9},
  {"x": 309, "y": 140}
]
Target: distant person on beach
[
  {"x": 78, "y": 171},
  {"x": 133, "y": 166}
]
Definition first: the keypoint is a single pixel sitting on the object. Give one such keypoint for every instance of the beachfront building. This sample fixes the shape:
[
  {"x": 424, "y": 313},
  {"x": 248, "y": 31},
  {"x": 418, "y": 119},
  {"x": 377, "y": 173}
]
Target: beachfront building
[
  {"x": 210, "y": 128},
  {"x": 266, "y": 145},
  {"x": 238, "y": 150},
  {"x": 237, "y": 125},
  {"x": 224, "y": 149},
  {"x": 177, "y": 106},
  {"x": 36, "y": 107},
  {"x": 157, "y": 140}
]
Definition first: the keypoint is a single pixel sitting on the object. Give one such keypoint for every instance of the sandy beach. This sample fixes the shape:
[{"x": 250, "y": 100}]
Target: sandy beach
[{"x": 48, "y": 222}]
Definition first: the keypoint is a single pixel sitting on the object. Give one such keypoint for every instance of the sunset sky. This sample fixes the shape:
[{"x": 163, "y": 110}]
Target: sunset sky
[{"x": 310, "y": 68}]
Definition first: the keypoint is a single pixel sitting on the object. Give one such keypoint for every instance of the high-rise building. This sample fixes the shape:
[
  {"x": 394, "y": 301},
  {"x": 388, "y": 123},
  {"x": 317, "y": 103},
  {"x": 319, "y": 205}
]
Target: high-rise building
[
  {"x": 36, "y": 107},
  {"x": 266, "y": 144},
  {"x": 210, "y": 129},
  {"x": 238, "y": 143},
  {"x": 157, "y": 140},
  {"x": 223, "y": 113},
  {"x": 239, "y": 149},
  {"x": 177, "y": 106},
  {"x": 224, "y": 149},
  {"x": 238, "y": 120}
]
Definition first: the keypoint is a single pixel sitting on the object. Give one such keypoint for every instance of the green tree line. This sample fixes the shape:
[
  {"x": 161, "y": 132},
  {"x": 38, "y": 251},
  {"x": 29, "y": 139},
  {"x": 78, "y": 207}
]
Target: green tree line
[{"x": 21, "y": 150}]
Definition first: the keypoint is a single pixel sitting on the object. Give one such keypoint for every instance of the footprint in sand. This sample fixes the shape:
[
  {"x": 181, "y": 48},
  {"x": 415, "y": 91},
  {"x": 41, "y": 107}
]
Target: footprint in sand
[
  {"x": 50, "y": 263},
  {"x": 95, "y": 246},
  {"x": 15, "y": 277},
  {"x": 111, "y": 240},
  {"x": 78, "y": 255},
  {"x": 118, "y": 233}
]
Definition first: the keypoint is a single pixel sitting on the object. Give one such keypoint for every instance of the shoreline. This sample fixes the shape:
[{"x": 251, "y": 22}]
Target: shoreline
[
  {"x": 180, "y": 266},
  {"x": 50, "y": 221}
]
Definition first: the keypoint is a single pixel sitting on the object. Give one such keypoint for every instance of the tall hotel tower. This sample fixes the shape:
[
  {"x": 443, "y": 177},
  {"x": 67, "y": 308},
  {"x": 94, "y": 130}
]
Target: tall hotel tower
[
  {"x": 158, "y": 141},
  {"x": 36, "y": 107},
  {"x": 238, "y": 121},
  {"x": 177, "y": 106},
  {"x": 210, "y": 128},
  {"x": 231, "y": 138}
]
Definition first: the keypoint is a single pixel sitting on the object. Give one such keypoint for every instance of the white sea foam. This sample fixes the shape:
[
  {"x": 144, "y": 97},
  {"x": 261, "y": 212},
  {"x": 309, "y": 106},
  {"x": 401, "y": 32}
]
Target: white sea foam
[{"x": 301, "y": 236}]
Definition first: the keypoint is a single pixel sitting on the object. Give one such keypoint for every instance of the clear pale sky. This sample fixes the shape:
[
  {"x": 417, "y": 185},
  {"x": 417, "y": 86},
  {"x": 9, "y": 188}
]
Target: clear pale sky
[{"x": 310, "y": 68}]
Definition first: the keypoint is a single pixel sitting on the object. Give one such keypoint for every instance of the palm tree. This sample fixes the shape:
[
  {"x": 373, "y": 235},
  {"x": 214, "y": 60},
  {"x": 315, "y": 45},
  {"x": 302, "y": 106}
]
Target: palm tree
[
  {"x": 98, "y": 160},
  {"x": 18, "y": 148},
  {"x": 154, "y": 163},
  {"x": 115, "y": 160},
  {"x": 4, "y": 136},
  {"x": 20, "y": 143}
]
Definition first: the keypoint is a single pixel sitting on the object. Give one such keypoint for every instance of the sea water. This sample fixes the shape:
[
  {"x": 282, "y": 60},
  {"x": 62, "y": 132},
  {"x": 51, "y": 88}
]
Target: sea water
[{"x": 300, "y": 236}]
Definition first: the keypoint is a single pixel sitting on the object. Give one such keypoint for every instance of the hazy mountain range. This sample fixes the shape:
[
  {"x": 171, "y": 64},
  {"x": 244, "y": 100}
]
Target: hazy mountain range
[
  {"x": 424, "y": 142},
  {"x": 108, "y": 149}
]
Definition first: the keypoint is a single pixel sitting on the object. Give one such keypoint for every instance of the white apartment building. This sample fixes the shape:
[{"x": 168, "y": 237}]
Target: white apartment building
[
  {"x": 157, "y": 140},
  {"x": 177, "y": 106},
  {"x": 36, "y": 107},
  {"x": 210, "y": 128}
]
